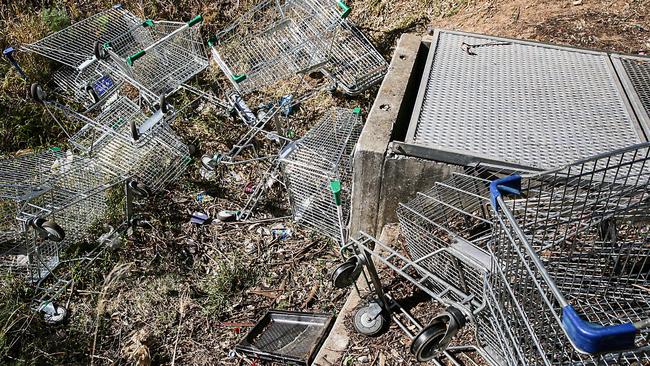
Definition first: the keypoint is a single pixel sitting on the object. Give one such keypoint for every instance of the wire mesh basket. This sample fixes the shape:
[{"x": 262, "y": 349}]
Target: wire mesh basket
[
  {"x": 278, "y": 39},
  {"x": 40, "y": 220},
  {"x": 573, "y": 244},
  {"x": 81, "y": 77},
  {"x": 322, "y": 156},
  {"x": 157, "y": 56},
  {"x": 158, "y": 156}
]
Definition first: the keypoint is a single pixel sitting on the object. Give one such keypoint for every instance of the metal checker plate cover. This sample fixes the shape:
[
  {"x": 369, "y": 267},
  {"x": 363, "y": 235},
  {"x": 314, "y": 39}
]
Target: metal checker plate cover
[{"x": 523, "y": 103}]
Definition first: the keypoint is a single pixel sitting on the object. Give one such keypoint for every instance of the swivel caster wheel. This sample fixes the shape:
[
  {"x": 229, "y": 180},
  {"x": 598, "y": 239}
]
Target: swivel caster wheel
[
  {"x": 37, "y": 93},
  {"x": 48, "y": 229},
  {"x": 370, "y": 320},
  {"x": 54, "y": 314},
  {"x": 53, "y": 230},
  {"x": 428, "y": 343},
  {"x": 347, "y": 273},
  {"x": 139, "y": 189}
]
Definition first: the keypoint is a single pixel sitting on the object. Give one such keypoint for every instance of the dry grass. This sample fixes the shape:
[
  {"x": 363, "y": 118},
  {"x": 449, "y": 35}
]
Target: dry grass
[{"x": 192, "y": 290}]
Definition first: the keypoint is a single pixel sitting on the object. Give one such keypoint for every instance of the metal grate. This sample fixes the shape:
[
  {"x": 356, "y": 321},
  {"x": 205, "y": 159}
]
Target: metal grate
[
  {"x": 639, "y": 73},
  {"x": 289, "y": 337},
  {"x": 323, "y": 155},
  {"x": 519, "y": 102}
]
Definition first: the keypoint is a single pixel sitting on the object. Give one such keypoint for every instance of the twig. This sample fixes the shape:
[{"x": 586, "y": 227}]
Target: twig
[{"x": 181, "y": 310}]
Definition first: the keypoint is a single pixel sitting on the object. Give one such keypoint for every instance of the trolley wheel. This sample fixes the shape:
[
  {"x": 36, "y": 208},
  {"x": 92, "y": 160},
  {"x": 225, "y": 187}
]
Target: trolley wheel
[
  {"x": 192, "y": 149},
  {"x": 140, "y": 189},
  {"x": 37, "y": 93},
  {"x": 57, "y": 316},
  {"x": 53, "y": 230},
  {"x": 426, "y": 344},
  {"x": 345, "y": 274},
  {"x": 92, "y": 94},
  {"x": 135, "y": 133},
  {"x": 162, "y": 104},
  {"x": 370, "y": 320},
  {"x": 99, "y": 51},
  {"x": 228, "y": 215},
  {"x": 208, "y": 162}
]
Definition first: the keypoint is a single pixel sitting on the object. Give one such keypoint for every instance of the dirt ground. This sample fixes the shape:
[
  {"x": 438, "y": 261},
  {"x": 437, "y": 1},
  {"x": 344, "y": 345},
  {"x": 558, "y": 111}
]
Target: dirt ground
[{"x": 178, "y": 293}]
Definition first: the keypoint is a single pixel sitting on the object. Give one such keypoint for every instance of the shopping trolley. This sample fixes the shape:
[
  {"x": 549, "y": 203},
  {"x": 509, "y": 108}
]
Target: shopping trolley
[
  {"x": 447, "y": 230},
  {"x": 81, "y": 76},
  {"x": 157, "y": 57},
  {"x": 317, "y": 170},
  {"x": 573, "y": 244},
  {"x": 125, "y": 140},
  {"x": 48, "y": 201},
  {"x": 279, "y": 39}
]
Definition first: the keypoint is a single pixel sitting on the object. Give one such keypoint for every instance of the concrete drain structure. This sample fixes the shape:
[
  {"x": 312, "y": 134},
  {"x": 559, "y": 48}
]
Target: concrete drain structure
[{"x": 457, "y": 99}]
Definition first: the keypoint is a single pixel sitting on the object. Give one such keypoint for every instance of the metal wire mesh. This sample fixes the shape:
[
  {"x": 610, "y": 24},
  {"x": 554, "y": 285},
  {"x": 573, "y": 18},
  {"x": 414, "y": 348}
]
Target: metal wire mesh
[
  {"x": 453, "y": 209},
  {"x": 322, "y": 155},
  {"x": 174, "y": 54},
  {"x": 639, "y": 73},
  {"x": 73, "y": 196},
  {"x": 74, "y": 45},
  {"x": 95, "y": 84},
  {"x": 529, "y": 104},
  {"x": 278, "y": 39},
  {"x": 588, "y": 225}
]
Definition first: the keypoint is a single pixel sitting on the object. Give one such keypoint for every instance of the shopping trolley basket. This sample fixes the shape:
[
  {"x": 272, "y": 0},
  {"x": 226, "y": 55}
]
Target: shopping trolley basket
[
  {"x": 73, "y": 47},
  {"x": 574, "y": 245},
  {"x": 125, "y": 140},
  {"x": 279, "y": 39},
  {"x": 157, "y": 57},
  {"x": 317, "y": 170}
]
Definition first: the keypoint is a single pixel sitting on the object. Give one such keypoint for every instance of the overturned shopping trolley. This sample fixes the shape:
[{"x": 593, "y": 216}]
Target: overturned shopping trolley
[
  {"x": 48, "y": 201},
  {"x": 277, "y": 40},
  {"x": 317, "y": 170},
  {"x": 80, "y": 76},
  {"x": 125, "y": 140},
  {"x": 157, "y": 57}
]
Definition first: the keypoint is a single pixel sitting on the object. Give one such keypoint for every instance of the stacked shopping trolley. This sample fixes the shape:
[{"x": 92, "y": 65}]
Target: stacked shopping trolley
[
  {"x": 120, "y": 70},
  {"x": 547, "y": 268}
]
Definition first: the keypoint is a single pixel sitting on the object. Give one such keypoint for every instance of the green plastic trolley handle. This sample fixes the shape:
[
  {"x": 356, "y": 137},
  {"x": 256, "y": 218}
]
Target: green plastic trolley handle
[
  {"x": 131, "y": 59},
  {"x": 345, "y": 10},
  {"x": 197, "y": 19},
  {"x": 238, "y": 78},
  {"x": 335, "y": 186}
]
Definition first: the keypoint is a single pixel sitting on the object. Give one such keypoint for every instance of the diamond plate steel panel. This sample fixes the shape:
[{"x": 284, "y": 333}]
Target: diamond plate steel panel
[{"x": 519, "y": 102}]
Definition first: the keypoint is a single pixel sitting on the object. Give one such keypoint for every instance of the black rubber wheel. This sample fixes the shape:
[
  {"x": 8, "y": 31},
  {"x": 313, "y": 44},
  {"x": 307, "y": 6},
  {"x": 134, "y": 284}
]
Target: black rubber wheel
[
  {"x": 99, "y": 51},
  {"x": 140, "y": 189},
  {"x": 228, "y": 215},
  {"x": 164, "y": 107},
  {"x": 369, "y": 324},
  {"x": 37, "y": 93},
  {"x": 192, "y": 149},
  {"x": 427, "y": 344},
  {"x": 60, "y": 313},
  {"x": 208, "y": 162},
  {"x": 92, "y": 94},
  {"x": 135, "y": 133},
  {"x": 345, "y": 274},
  {"x": 54, "y": 231}
]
